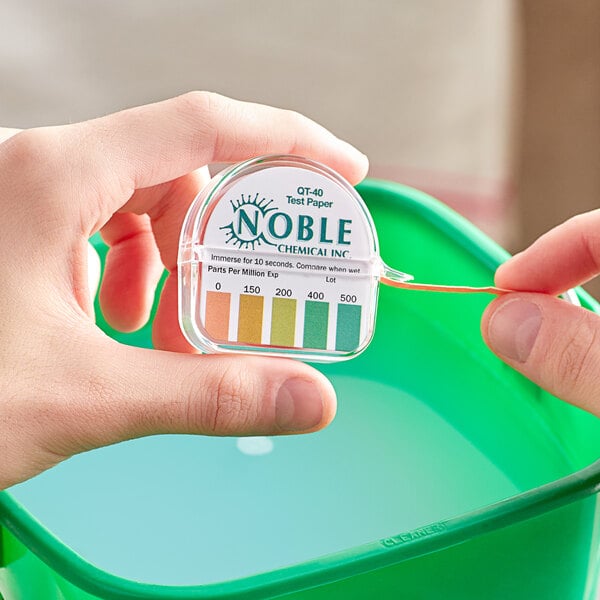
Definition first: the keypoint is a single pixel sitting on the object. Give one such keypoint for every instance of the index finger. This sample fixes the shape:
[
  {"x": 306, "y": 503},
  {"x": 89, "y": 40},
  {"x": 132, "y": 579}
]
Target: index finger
[
  {"x": 566, "y": 256},
  {"x": 152, "y": 144}
]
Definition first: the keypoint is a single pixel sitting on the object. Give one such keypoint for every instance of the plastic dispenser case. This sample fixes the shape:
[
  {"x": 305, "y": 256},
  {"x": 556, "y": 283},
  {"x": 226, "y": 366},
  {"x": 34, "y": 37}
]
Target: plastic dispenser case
[{"x": 279, "y": 255}]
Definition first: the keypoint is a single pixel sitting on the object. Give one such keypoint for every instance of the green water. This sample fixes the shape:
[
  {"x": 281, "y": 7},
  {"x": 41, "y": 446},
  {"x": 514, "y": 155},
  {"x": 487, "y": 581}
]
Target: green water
[
  {"x": 188, "y": 510},
  {"x": 430, "y": 425}
]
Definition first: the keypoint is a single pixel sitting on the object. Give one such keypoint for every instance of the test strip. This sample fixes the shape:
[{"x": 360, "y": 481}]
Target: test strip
[
  {"x": 452, "y": 289},
  {"x": 250, "y": 319},
  {"x": 316, "y": 321},
  {"x": 218, "y": 306},
  {"x": 347, "y": 337},
  {"x": 283, "y": 322}
]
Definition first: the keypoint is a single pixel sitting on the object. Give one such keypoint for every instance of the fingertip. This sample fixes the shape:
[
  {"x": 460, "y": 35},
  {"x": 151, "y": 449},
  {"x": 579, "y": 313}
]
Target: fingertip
[
  {"x": 512, "y": 326},
  {"x": 125, "y": 307},
  {"x": 358, "y": 164},
  {"x": 126, "y": 303},
  {"x": 305, "y": 402},
  {"x": 490, "y": 309},
  {"x": 124, "y": 322},
  {"x": 329, "y": 400},
  {"x": 505, "y": 273},
  {"x": 131, "y": 274}
]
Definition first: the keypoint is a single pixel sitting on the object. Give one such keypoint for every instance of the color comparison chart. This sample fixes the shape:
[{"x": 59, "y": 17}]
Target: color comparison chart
[
  {"x": 281, "y": 260},
  {"x": 255, "y": 319}
]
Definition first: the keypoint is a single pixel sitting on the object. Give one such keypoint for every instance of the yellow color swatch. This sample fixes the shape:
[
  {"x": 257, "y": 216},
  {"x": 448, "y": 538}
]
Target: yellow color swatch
[
  {"x": 283, "y": 322},
  {"x": 250, "y": 319}
]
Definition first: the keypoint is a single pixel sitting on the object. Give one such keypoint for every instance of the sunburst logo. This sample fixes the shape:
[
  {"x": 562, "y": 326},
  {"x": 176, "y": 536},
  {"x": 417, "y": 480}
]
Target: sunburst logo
[{"x": 246, "y": 229}]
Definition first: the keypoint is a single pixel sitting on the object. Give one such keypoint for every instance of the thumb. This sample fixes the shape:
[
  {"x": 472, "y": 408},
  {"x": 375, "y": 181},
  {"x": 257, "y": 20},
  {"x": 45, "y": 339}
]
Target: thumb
[
  {"x": 138, "y": 392},
  {"x": 553, "y": 343}
]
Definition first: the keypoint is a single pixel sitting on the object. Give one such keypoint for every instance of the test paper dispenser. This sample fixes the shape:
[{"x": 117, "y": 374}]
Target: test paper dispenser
[{"x": 444, "y": 475}]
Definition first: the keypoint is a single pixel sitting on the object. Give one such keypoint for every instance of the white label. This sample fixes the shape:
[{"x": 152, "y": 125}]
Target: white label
[{"x": 295, "y": 253}]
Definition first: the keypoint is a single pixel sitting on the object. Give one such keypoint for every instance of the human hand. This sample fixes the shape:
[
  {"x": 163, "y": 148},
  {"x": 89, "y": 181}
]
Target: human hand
[
  {"x": 65, "y": 387},
  {"x": 554, "y": 343}
]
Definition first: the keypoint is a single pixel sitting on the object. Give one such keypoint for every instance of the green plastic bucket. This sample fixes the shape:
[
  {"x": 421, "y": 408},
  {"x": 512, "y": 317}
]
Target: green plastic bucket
[{"x": 445, "y": 474}]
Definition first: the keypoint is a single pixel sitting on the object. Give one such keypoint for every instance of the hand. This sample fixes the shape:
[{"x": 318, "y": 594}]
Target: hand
[
  {"x": 552, "y": 342},
  {"x": 65, "y": 387}
]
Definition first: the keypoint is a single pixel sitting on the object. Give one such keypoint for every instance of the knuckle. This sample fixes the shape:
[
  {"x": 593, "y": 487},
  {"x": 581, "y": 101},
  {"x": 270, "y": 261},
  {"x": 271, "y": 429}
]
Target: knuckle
[
  {"x": 32, "y": 150},
  {"x": 299, "y": 129},
  {"x": 577, "y": 351},
  {"x": 200, "y": 104},
  {"x": 227, "y": 405},
  {"x": 216, "y": 398},
  {"x": 295, "y": 120},
  {"x": 230, "y": 406},
  {"x": 205, "y": 109},
  {"x": 41, "y": 167}
]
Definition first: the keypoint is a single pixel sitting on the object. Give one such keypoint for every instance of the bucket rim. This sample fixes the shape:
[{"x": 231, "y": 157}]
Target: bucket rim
[{"x": 358, "y": 559}]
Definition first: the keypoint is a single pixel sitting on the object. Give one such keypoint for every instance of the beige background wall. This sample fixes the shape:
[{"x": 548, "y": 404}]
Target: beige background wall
[
  {"x": 422, "y": 86},
  {"x": 559, "y": 160},
  {"x": 558, "y": 154}
]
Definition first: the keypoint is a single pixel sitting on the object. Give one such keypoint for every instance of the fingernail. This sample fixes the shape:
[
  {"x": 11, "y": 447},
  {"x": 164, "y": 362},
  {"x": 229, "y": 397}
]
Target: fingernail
[
  {"x": 513, "y": 328},
  {"x": 299, "y": 405}
]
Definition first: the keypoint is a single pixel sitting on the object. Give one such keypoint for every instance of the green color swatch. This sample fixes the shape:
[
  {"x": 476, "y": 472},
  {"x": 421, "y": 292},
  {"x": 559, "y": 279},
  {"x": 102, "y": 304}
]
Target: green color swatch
[
  {"x": 347, "y": 336},
  {"x": 316, "y": 320}
]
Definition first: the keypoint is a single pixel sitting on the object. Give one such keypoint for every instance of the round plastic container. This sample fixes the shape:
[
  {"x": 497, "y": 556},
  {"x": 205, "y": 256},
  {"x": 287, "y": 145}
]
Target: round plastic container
[{"x": 445, "y": 474}]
